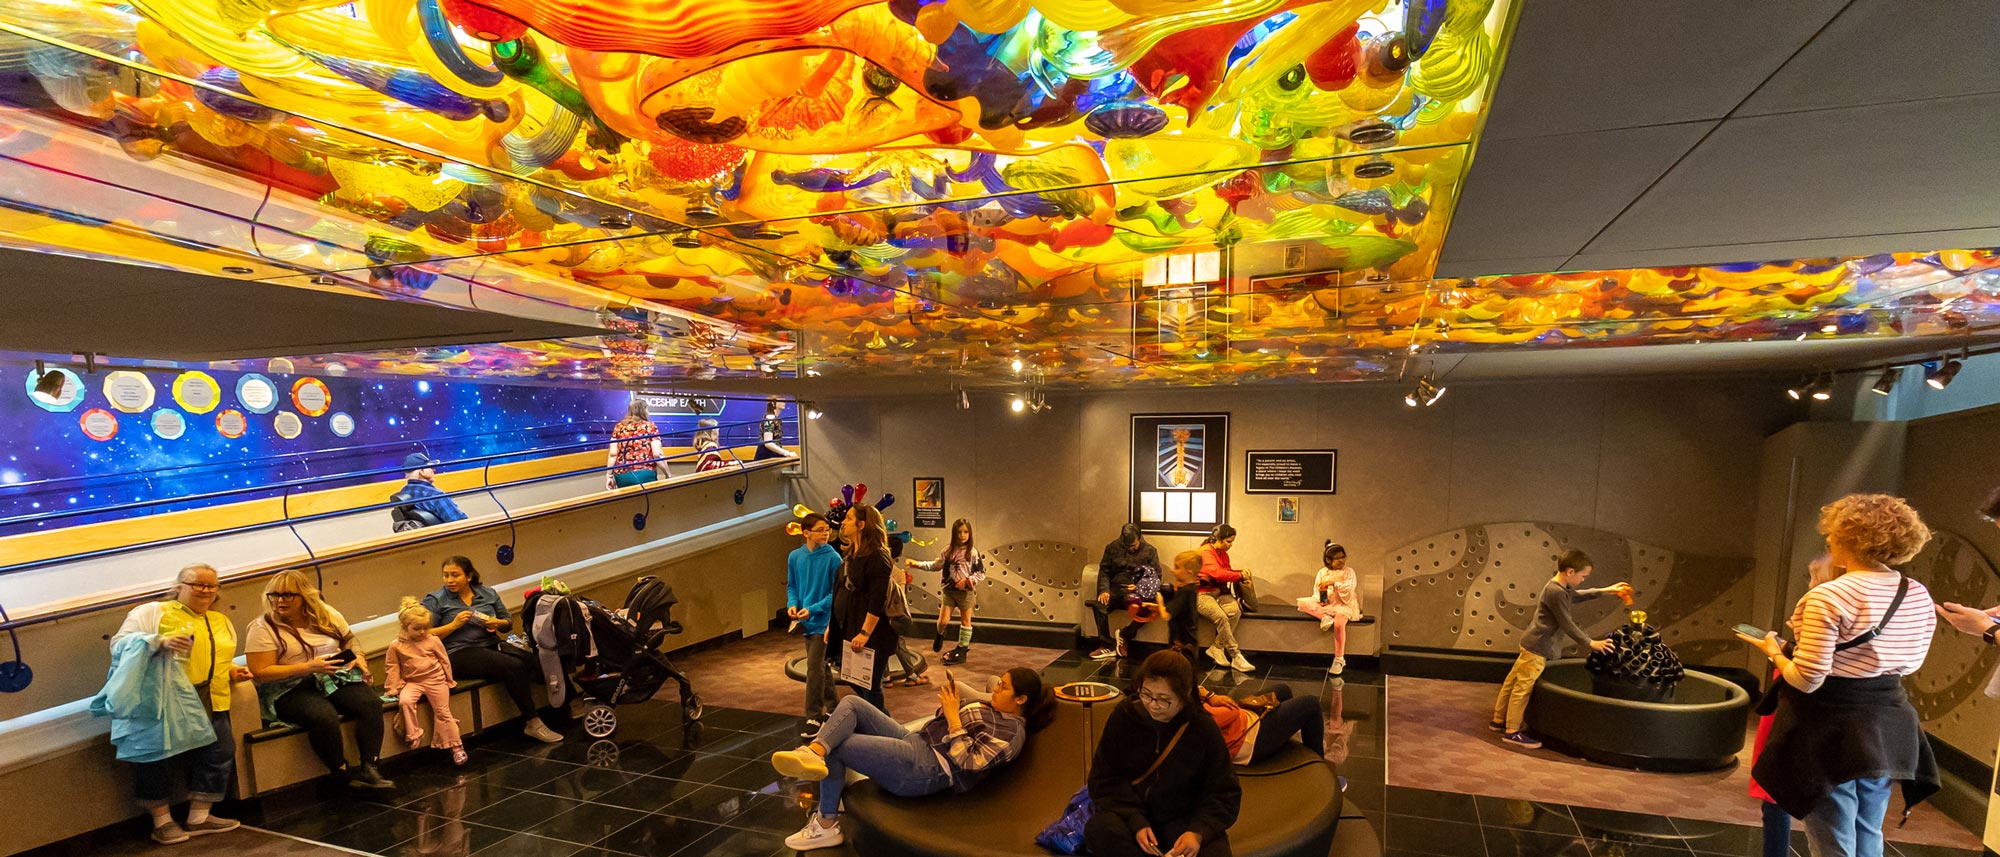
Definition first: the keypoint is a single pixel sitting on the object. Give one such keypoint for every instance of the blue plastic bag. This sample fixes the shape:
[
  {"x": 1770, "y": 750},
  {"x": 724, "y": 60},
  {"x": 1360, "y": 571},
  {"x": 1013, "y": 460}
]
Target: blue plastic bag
[{"x": 1065, "y": 834}]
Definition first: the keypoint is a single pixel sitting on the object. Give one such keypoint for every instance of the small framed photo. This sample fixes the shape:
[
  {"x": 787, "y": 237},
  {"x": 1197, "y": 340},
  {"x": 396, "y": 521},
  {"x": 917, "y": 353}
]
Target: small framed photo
[{"x": 1288, "y": 510}]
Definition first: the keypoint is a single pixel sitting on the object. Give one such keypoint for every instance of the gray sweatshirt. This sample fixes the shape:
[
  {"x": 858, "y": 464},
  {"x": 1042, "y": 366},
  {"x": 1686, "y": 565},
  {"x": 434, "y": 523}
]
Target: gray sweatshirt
[{"x": 1553, "y": 615}]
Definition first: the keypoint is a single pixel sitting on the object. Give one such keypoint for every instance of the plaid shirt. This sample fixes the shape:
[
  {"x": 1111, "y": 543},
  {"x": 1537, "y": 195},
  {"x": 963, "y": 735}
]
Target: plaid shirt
[{"x": 985, "y": 740}]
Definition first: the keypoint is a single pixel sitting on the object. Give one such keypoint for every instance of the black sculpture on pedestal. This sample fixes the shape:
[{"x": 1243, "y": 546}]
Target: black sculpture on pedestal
[{"x": 1639, "y": 666}]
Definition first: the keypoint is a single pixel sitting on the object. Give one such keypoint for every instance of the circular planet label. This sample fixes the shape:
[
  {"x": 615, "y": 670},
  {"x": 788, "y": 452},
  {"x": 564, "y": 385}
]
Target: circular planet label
[
  {"x": 168, "y": 424},
  {"x": 311, "y": 396},
  {"x": 197, "y": 392},
  {"x": 231, "y": 423},
  {"x": 130, "y": 392},
  {"x": 256, "y": 393},
  {"x": 99, "y": 424},
  {"x": 65, "y": 400},
  {"x": 289, "y": 425},
  {"x": 342, "y": 424}
]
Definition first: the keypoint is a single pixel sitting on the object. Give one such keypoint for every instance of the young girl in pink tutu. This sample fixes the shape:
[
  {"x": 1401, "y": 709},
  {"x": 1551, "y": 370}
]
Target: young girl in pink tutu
[
  {"x": 417, "y": 669},
  {"x": 1335, "y": 601}
]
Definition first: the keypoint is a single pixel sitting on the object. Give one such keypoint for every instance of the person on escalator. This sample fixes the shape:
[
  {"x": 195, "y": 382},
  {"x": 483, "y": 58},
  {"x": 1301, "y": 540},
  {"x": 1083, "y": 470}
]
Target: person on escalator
[
  {"x": 636, "y": 456},
  {"x": 419, "y": 499}
]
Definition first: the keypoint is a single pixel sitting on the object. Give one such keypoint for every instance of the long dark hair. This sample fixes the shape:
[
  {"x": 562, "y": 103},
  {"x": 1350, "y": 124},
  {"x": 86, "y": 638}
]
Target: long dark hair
[
  {"x": 1326, "y": 556},
  {"x": 953, "y": 545},
  {"x": 1221, "y": 533},
  {"x": 465, "y": 565},
  {"x": 1169, "y": 666},
  {"x": 874, "y": 536},
  {"x": 1041, "y": 705}
]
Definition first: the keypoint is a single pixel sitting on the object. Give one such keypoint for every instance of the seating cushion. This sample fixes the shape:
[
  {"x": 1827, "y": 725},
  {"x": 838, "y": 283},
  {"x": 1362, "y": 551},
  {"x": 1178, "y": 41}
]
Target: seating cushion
[
  {"x": 1291, "y": 804},
  {"x": 272, "y": 733}
]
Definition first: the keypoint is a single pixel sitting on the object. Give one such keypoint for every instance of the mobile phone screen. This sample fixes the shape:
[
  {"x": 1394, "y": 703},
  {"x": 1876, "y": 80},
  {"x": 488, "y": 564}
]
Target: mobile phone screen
[
  {"x": 1750, "y": 631},
  {"x": 343, "y": 656}
]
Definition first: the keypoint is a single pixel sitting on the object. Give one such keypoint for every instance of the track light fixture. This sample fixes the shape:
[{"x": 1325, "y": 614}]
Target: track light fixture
[
  {"x": 1887, "y": 383},
  {"x": 813, "y": 413},
  {"x": 1425, "y": 394},
  {"x": 1821, "y": 388},
  {"x": 1940, "y": 377}
]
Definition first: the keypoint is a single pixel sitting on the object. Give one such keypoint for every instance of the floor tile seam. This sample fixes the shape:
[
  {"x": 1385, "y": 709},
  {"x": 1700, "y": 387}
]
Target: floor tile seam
[{"x": 289, "y": 836}]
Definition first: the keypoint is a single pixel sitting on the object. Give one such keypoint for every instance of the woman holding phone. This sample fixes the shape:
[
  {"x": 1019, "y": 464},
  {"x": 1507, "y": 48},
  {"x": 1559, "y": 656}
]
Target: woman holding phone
[{"x": 301, "y": 652}]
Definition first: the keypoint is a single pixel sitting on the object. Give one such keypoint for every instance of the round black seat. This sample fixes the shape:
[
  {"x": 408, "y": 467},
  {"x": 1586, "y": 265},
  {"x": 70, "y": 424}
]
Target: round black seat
[
  {"x": 1291, "y": 803},
  {"x": 1698, "y": 726}
]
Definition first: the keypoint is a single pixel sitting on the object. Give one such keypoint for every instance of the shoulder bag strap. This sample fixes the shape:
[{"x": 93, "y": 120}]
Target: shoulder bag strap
[
  {"x": 1163, "y": 755},
  {"x": 1865, "y": 637}
]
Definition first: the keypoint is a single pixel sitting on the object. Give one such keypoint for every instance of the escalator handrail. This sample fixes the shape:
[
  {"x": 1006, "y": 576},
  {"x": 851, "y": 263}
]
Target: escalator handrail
[
  {"x": 288, "y": 484},
  {"x": 427, "y": 534}
]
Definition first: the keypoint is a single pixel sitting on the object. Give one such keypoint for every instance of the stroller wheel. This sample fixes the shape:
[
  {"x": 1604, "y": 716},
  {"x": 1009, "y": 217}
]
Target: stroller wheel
[
  {"x": 600, "y": 721},
  {"x": 602, "y": 754},
  {"x": 691, "y": 708}
]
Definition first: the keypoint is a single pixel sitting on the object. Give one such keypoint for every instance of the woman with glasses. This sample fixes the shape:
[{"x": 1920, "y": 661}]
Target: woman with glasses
[
  {"x": 186, "y": 629},
  {"x": 308, "y": 675},
  {"x": 1161, "y": 783}
]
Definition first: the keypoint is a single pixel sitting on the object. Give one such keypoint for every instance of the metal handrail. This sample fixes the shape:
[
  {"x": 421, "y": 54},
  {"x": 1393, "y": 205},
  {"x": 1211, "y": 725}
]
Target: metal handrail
[
  {"x": 286, "y": 485},
  {"x": 130, "y": 600}
]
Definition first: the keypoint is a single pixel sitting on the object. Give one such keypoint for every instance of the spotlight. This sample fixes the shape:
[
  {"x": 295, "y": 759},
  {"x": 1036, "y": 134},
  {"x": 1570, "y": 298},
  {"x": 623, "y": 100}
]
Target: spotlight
[
  {"x": 1821, "y": 389},
  {"x": 964, "y": 400},
  {"x": 1940, "y": 378},
  {"x": 1797, "y": 391},
  {"x": 1017, "y": 365},
  {"x": 813, "y": 413},
  {"x": 812, "y": 373},
  {"x": 1016, "y": 405},
  {"x": 1887, "y": 383},
  {"x": 1425, "y": 394},
  {"x": 48, "y": 385}
]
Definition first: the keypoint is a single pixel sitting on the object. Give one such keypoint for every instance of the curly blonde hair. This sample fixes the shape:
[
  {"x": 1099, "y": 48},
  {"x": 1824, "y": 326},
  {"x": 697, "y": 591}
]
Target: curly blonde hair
[{"x": 1874, "y": 527}]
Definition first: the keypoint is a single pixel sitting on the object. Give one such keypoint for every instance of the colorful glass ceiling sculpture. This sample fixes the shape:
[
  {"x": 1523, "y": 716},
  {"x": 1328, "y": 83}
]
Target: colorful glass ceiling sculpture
[{"x": 749, "y": 187}]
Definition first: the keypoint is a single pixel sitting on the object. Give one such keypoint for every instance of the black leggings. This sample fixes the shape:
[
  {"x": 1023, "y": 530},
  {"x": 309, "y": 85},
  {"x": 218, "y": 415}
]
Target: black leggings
[
  {"x": 1299, "y": 715},
  {"x": 518, "y": 672},
  {"x": 319, "y": 714},
  {"x": 1108, "y": 835}
]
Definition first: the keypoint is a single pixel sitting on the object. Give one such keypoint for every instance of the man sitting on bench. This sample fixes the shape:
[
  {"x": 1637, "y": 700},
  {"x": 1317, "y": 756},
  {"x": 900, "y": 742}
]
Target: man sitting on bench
[{"x": 420, "y": 503}]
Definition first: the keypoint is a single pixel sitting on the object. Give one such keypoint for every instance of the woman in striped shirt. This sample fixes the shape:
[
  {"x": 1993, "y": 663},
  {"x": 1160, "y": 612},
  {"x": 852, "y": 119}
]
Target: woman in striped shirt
[{"x": 1842, "y": 727}]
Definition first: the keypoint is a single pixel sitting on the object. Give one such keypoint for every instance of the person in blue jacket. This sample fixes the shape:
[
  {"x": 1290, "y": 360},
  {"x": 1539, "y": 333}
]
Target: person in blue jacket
[
  {"x": 421, "y": 495},
  {"x": 809, "y": 573}
]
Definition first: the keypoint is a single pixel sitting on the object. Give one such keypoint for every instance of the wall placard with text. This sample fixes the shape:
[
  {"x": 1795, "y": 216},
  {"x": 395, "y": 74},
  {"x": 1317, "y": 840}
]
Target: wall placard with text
[
  {"x": 928, "y": 502},
  {"x": 1289, "y": 471},
  {"x": 1180, "y": 472}
]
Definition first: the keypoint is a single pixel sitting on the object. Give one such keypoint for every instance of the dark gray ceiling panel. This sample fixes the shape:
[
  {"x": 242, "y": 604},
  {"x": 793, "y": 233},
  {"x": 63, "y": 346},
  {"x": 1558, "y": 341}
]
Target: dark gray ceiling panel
[{"x": 1879, "y": 51}]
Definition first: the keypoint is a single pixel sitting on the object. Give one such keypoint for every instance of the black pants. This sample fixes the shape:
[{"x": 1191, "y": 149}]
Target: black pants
[
  {"x": 1299, "y": 716},
  {"x": 319, "y": 715},
  {"x": 1107, "y": 835},
  {"x": 1103, "y": 613},
  {"x": 518, "y": 672}
]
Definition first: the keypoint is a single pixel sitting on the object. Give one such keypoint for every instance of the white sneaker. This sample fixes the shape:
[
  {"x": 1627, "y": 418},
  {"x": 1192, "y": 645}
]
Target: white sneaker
[
  {"x": 1240, "y": 665},
  {"x": 540, "y": 731},
  {"x": 1215, "y": 655},
  {"x": 1326, "y": 624},
  {"x": 816, "y": 834},
  {"x": 1339, "y": 664}
]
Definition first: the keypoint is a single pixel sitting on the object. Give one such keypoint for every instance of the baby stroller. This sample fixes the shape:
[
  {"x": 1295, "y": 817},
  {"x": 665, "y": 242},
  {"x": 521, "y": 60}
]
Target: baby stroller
[{"x": 623, "y": 662}]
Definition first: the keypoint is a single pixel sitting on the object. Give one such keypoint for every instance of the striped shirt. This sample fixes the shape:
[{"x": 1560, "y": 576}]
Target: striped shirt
[{"x": 1847, "y": 607}]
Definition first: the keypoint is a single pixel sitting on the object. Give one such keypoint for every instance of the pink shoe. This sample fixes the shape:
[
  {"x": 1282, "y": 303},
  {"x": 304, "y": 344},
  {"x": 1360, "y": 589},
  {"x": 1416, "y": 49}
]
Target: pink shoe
[{"x": 458, "y": 756}]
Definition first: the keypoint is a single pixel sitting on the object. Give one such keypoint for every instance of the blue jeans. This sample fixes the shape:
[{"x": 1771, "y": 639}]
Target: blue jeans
[
  {"x": 858, "y": 735},
  {"x": 1777, "y": 830},
  {"x": 1848, "y": 820}
]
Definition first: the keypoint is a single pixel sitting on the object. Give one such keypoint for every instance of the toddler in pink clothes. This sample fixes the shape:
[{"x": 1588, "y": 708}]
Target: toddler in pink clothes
[
  {"x": 1336, "y": 601},
  {"x": 417, "y": 669}
]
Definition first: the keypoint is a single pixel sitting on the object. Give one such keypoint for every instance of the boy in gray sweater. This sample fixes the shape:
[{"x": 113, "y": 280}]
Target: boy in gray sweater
[{"x": 1540, "y": 643}]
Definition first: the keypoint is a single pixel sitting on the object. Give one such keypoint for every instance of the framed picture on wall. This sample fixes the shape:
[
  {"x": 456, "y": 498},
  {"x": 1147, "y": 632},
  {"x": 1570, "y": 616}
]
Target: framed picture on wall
[
  {"x": 1288, "y": 510},
  {"x": 928, "y": 494},
  {"x": 1179, "y": 469}
]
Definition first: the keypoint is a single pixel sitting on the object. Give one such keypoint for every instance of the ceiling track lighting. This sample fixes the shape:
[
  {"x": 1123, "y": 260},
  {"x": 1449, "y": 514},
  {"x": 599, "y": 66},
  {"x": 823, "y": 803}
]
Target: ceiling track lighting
[
  {"x": 1940, "y": 377},
  {"x": 48, "y": 385},
  {"x": 1427, "y": 393},
  {"x": 1887, "y": 383},
  {"x": 813, "y": 413}
]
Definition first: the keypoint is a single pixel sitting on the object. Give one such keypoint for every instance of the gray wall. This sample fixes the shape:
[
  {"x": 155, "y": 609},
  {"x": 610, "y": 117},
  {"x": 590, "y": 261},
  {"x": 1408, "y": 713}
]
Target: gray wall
[
  {"x": 1668, "y": 464},
  {"x": 1948, "y": 470}
]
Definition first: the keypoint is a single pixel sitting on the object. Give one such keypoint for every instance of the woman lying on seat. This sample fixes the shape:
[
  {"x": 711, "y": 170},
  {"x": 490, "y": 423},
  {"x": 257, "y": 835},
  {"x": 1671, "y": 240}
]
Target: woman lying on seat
[
  {"x": 1257, "y": 728},
  {"x": 972, "y": 734}
]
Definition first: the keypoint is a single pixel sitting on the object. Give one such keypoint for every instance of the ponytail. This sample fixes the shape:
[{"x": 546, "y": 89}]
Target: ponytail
[
  {"x": 1040, "y": 707},
  {"x": 1221, "y": 533}
]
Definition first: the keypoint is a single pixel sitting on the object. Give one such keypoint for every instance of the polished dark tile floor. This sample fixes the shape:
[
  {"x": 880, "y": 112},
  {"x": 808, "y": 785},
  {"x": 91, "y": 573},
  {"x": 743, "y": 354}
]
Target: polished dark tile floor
[{"x": 659, "y": 788}]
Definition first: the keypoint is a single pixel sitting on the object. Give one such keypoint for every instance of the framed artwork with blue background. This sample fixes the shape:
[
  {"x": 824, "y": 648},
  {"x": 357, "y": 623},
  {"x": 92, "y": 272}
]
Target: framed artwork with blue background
[{"x": 1180, "y": 472}]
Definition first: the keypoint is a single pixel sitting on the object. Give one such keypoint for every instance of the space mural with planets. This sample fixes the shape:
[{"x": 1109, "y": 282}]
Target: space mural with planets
[{"x": 52, "y": 461}]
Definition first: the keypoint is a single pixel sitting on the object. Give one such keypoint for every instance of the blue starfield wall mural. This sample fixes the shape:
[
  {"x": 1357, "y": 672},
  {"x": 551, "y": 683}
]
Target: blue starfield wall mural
[{"x": 101, "y": 445}]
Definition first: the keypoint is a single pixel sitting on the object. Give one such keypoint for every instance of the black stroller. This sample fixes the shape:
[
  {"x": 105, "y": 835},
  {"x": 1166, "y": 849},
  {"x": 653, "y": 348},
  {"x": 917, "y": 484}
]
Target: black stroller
[{"x": 625, "y": 663}]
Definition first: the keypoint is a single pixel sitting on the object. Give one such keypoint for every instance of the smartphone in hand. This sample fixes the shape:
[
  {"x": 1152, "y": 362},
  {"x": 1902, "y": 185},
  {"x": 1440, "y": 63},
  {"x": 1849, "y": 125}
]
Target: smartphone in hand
[
  {"x": 344, "y": 656},
  {"x": 1750, "y": 631}
]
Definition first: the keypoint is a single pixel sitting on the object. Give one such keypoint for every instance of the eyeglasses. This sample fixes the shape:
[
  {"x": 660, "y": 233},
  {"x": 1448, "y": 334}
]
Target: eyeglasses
[
  {"x": 202, "y": 587},
  {"x": 1156, "y": 701},
  {"x": 282, "y": 596}
]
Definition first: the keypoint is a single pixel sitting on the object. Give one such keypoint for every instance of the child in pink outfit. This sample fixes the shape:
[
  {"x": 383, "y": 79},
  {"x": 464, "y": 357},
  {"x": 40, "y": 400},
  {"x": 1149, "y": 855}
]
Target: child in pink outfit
[
  {"x": 1336, "y": 601},
  {"x": 417, "y": 669}
]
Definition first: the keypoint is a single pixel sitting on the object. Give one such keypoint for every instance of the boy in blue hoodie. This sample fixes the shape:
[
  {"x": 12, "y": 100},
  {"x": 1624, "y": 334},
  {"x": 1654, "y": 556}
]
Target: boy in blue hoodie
[{"x": 809, "y": 575}]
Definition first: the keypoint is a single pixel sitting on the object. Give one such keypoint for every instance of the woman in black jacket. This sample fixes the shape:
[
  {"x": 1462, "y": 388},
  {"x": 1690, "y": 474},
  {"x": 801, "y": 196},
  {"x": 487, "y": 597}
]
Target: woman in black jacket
[
  {"x": 861, "y": 597},
  {"x": 1161, "y": 782}
]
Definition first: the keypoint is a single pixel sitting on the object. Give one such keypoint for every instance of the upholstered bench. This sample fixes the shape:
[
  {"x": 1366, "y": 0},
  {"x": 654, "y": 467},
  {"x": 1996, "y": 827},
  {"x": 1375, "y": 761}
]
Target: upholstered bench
[
  {"x": 274, "y": 757},
  {"x": 1291, "y": 804}
]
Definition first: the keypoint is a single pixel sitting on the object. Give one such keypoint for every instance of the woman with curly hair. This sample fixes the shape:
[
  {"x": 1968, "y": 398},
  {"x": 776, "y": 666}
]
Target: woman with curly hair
[{"x": 1842, "y": 729}]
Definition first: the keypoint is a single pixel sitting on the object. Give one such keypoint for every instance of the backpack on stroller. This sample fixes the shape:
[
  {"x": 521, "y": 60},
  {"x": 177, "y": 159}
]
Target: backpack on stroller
[{"x": 622, "y": 661}]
